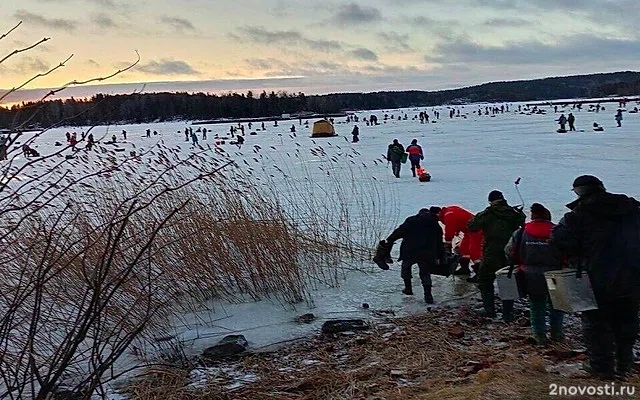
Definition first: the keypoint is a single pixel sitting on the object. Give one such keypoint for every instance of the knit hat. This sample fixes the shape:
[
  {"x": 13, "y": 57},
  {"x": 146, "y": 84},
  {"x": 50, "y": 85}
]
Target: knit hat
[
  {"x": 538, "y": 211},
  {"x": 587, "y": 184},
  {"x": 495, "y": 195},
  {"x": 414, "y": 141}
]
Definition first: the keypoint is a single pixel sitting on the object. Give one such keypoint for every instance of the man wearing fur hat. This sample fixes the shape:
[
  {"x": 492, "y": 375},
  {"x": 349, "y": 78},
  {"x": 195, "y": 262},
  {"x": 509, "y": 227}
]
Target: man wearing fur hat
[
  {"x": 497, "y": 222},
  {"x": 601, "y": 234}
]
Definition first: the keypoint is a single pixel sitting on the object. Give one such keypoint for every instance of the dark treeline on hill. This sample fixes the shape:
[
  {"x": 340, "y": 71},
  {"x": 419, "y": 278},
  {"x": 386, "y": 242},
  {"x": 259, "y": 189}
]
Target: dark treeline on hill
[{"x": 149, "y": 107}]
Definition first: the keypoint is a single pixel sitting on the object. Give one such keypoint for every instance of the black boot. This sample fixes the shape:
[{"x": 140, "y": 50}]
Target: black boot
[
  {"x": 464, "y": 267},
  {"x": 428, "y": 297},
  {"x": 408, "y": 289},
  {"x": 624, "y": 360},
  {"x": 489, "y": 303},
  {"x": 507, "y": 311},
  {"x": 475, "y": 268}
]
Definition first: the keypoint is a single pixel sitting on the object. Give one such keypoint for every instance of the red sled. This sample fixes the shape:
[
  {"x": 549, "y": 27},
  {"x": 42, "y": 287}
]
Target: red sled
[{"x": 423, "y": 175}]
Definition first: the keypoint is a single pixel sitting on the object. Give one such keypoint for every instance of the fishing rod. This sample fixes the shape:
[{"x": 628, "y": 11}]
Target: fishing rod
[{"x": 517, "y": 184}]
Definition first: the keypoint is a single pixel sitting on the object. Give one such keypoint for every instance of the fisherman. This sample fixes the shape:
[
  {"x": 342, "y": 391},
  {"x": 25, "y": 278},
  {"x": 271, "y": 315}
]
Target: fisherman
[
  {"x": 601, "y": 234},
  {"x": 395, "y": 152},
  {"x": 497, "y": 222},
  {"x": 422, "y": 244},
  {"x": 415, "y": 155}
]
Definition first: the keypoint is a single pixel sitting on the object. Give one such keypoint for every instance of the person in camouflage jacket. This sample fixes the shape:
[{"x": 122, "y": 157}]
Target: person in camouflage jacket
[{"x": 497, "y": 222}]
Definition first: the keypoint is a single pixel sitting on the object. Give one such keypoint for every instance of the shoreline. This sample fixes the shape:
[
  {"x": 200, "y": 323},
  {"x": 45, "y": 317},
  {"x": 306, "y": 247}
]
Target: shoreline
[{"x": 443, "y": 353}]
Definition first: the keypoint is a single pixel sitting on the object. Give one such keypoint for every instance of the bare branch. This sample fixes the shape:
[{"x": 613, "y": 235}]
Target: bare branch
[
  {"x": 99, "y": 79},
  {"x": 33, "y": 78},
  {"x": 4, "y": 35},
  {"x": 22, "y": 50}
]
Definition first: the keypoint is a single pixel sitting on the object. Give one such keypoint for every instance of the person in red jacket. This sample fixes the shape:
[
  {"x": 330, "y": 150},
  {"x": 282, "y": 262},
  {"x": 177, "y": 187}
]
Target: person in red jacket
[
  {"x": 455, "y": 220},
  {"x": 415, "y": 155},
  {"x": 529, "y": 248}
]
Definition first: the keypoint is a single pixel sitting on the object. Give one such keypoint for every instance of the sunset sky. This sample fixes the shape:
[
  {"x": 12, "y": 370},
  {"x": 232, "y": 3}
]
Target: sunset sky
[{"x": 324, "y": 45}]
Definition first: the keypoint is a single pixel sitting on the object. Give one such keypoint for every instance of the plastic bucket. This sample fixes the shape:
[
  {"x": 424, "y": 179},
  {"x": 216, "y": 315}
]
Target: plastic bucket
[
  {"x": 569, "y": 293},
  {"x": 507, "y": 287}
]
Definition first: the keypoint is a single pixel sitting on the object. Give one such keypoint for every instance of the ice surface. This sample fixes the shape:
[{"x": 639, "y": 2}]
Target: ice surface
[{"x": 467, "y": 158}]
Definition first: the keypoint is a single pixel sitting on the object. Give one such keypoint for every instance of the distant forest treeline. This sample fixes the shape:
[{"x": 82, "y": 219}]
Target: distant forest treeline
[{"x": 149, "y": 107}]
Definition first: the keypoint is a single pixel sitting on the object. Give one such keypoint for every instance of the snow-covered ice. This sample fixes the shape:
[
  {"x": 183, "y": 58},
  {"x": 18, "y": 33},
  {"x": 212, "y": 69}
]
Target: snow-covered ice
[{"x": 467, "y": 158}]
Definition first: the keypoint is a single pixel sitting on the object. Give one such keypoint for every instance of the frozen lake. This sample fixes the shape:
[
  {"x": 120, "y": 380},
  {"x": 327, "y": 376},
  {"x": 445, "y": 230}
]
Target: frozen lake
[{"x": 467, "y": 158}]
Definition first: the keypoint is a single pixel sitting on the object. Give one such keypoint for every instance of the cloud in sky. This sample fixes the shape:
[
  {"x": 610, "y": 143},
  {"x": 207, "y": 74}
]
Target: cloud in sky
[
  {"x": 52, "y": 23},
  {"x": 167, "y": 67},
  {"x": 285, "y": 38},
  {"x": 179, "y": 24},
  {"x": 103, "y": 20},
  {"x": 353, "y": 13},
  {"x": 364, "y": 54},
  {"x": 459, "y": 42}
]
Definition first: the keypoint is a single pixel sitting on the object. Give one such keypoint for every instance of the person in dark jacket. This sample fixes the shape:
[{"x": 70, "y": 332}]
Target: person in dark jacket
[
  {"x": 415, "y": 155},
  {"x": 394, "y": 154},
  {"x": 563, "y": 122},
  {"x": 529, "y": 249},
  {"x": 619, "y": 118},
  {"x": 422, "y": 244},
  {"x": 571, "y": 120},
  {"x": 355, "y": 133},
  {"x": 497, "y": 222},
  {"x": 601, "y": 234}
]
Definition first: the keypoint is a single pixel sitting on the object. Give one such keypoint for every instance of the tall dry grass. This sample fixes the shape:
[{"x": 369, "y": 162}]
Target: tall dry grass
[{"x": 102, "y": 252}]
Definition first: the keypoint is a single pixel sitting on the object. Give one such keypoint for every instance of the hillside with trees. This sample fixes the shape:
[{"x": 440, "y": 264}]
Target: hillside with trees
[{"x": 149, "y": 107}]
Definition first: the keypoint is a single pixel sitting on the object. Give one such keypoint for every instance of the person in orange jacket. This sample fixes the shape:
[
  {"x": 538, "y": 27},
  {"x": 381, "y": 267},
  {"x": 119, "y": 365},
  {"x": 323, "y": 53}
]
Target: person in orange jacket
[{"x": 455, "y": 220}]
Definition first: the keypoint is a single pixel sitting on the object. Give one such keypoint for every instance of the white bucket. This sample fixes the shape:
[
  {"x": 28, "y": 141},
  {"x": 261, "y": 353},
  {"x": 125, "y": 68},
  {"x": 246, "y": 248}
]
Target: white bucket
[
  {"x": 507, "y": 287},
  {"x": 569, "y": 293}
]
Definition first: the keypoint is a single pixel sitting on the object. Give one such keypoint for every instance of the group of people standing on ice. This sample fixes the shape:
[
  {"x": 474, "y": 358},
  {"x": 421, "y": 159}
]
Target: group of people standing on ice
[
  {"x": 600, "y": 235},
  {"x": 396, "y": 154},
  {"x": 571, "y": 119}
]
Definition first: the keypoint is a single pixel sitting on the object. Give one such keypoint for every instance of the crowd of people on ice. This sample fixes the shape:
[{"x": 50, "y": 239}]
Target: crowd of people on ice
[{"x": 599, "y": 236}]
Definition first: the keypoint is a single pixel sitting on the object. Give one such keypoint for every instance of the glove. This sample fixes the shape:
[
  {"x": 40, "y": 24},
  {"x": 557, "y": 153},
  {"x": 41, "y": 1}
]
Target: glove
[{"x": 422, "y": 157}]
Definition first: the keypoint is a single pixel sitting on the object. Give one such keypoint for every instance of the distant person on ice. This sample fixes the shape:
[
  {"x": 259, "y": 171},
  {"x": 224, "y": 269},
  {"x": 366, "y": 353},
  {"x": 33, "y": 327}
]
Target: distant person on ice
[
  {"x": 571, "y": 120},
  {"x": 497, "y": 223},
  {"x": 355, "y": 133},
  {"x": 415, "y": 155},
  {"x": 563, "y": 122},
  {"x": 3, "y": 147},
  {"x": 394, "y": 155},
  {"x": 619, "y": 118},
  {"x": 422, "y": 244}
]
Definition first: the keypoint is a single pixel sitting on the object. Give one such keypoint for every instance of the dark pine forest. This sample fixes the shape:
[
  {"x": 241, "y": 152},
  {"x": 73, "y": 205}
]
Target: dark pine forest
[{"x": 149, "y": 107}]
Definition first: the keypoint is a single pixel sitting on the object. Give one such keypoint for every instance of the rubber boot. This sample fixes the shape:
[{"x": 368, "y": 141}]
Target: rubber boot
[
  {"x": 537, "y": 317},
  {"x": 428, "y": 297},
  {"x": 507, "y": 311},
  {"x": 624, "y": 360},
  {"x": 556, "y": 319},
  {"x": 489, "y": 303},
  {"x": 408, "y": 289}
]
